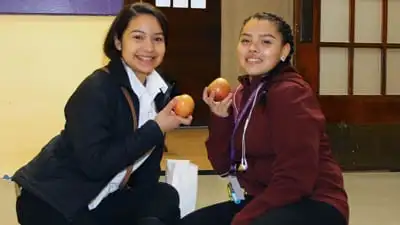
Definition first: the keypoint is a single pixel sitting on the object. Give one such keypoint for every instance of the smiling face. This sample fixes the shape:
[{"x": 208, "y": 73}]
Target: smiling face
[
  {"x": 142, "y": 45},
  {"x": 260, "y": 47}
]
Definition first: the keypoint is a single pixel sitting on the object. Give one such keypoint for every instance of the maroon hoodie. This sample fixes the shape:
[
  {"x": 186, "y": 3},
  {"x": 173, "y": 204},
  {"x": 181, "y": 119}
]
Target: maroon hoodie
[{"x": 287, "y": 149}]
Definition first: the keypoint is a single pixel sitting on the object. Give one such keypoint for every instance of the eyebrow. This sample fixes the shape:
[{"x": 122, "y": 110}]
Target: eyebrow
[
  {"x": 140, "y": 31},
  {"x": 262, "y": 35}
]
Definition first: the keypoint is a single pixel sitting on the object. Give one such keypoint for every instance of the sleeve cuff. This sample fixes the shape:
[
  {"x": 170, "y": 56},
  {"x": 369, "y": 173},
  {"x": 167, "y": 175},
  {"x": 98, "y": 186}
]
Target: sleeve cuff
[{"x": 154, "y": 132}]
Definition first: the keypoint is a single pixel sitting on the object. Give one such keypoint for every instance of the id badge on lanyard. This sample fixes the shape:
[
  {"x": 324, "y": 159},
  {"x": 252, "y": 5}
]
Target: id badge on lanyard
[{"x": 236, "y": 193}]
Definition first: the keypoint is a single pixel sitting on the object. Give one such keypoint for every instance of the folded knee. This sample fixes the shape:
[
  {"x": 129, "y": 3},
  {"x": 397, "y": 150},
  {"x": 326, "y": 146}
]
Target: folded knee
[{"x": 168, "y": 192}]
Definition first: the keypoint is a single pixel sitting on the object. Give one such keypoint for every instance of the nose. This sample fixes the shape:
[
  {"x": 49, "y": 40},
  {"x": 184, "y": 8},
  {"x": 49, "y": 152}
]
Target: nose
[
  {"x": 148, "y": 45},
  {"x": 253, "y": 47}
]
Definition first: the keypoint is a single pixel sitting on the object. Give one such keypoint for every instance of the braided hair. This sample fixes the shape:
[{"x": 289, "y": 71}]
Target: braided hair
[{"x": 283, "y": 28}]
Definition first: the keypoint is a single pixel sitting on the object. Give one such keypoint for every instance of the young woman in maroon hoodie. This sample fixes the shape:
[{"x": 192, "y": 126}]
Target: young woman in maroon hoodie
[{"x": 269, "y": 135}]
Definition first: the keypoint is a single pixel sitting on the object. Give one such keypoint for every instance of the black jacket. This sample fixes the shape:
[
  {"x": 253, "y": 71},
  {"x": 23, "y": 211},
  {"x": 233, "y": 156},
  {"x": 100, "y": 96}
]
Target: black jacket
[{"x": 97, "y": 142}]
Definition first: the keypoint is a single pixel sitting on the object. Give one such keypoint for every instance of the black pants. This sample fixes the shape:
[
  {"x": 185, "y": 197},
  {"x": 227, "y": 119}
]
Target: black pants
[
  {"x": 305, "y": 212},
  {"x": 158, "y": 205}
]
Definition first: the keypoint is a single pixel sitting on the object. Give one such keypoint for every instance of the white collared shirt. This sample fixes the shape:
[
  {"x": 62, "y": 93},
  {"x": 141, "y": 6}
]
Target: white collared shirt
[{"x": 146, "y": 95}]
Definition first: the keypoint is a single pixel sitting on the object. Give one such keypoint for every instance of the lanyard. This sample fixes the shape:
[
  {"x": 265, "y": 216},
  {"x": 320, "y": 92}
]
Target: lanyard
[{"x": 252, "y": 100}]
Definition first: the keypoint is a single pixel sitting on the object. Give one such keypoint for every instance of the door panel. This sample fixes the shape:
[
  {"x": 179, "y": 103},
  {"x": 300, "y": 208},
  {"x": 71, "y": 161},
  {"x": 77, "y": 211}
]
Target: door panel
[
  {"x": 365, "y": 143},
  {"x": 353, "y": 87},
  {"x": 342, "y": 149}
]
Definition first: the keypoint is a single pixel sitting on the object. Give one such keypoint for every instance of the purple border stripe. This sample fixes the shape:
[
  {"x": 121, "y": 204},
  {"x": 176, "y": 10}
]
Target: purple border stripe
[{"x": 69, "y": 7}]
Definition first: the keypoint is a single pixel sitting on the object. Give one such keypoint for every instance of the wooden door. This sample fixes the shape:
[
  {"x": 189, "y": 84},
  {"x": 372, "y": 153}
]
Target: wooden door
[
  {"x": 348, "y": 51},
  {"x": 193, "y": 53}
]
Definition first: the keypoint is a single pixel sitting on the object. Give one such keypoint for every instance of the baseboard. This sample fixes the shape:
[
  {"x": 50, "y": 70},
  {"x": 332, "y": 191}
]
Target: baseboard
[
  {"x": 201, "y": 172},
  {"x": 183, "y": 127}
]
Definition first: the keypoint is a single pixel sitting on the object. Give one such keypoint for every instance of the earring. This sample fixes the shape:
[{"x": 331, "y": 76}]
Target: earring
[{"x": 283, "y": 58}]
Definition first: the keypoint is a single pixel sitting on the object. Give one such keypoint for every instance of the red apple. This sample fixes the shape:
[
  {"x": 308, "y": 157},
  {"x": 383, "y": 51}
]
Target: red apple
[
  {"x": 221, "y": 87},
  {"x": 184, "y": 105}
]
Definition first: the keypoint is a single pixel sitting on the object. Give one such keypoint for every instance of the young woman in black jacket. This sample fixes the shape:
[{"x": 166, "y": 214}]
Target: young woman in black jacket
[{"x": 104, "y": 166}]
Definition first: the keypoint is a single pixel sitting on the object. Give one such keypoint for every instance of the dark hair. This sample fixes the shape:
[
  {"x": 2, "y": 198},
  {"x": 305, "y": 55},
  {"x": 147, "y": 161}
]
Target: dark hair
[
  {"x": 122, "y": 20},
  {"x": 283, "y": 28}
]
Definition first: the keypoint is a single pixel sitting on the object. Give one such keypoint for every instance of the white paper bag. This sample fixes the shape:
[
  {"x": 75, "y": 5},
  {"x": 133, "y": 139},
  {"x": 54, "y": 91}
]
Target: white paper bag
[{"x": 183, "y": 175}]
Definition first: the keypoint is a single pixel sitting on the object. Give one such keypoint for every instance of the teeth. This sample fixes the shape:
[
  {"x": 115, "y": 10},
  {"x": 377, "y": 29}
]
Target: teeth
[
  {"x": 145, "y": 58},
  {"x": 253, "y": 60}
]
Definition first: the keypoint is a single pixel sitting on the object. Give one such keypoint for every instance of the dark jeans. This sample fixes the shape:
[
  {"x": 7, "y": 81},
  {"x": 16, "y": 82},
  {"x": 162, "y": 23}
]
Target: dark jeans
[
  {"x": 153, "y": 205},
  {"x": 305, "y": 212}
]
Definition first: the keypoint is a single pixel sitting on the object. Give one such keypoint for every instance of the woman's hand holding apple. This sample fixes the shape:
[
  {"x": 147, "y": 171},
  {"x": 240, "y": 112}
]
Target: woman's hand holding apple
[
  {"x": 218, "y": 97},
  {"x": 178, "y": 111}
]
